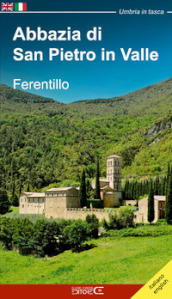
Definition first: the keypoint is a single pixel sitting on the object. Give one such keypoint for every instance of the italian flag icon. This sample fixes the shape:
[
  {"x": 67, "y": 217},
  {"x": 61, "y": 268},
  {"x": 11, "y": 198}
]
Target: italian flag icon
[{"x": 20, "y": 6}]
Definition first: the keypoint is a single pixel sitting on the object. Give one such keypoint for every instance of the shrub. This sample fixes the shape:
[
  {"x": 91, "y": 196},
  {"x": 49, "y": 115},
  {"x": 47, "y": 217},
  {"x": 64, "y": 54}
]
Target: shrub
[
  {"x": 161, "y": 222},
  {"x": 146, "y": 231},
  {"x": 105, "y": 224},
  {"x": 75, "y": 234},
  {"x": 125, "y": 218},
  {"x": 114, "y": 221},
  {"x": 93, "y": 226}
]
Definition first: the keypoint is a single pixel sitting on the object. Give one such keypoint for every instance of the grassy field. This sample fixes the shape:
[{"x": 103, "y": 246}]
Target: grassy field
[{"x": 112, "y": 261}]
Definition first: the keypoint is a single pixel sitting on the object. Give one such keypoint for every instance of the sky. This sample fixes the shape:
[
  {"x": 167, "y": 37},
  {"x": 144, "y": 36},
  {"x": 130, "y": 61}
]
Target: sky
[{"x": 96, "y": 79}]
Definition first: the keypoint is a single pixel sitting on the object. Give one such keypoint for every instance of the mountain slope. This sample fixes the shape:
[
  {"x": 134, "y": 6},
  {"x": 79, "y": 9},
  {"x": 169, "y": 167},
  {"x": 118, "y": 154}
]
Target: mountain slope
[
  {"x": 154, "y": 99},
  {"x": 45, "y": 142},
  {"x": 16, "y": 101}
]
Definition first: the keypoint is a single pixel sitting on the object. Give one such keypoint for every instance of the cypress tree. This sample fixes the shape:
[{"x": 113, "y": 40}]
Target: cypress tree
[
  {"x": 141, "y": 188},
  {"x": 163, "y": 186},
  {"x": 15, "y": 200},
  {"x": 82, "y": 192},
  {"x": 129, "y": 190},
  {"x": 4, "y": 202},
  {"x": 147, "y": 187},
  {"x": 28, "y": 188},
  {"x": 168, "y": 202},
  {"x": 156, "y": 188},
  {"x": 151, "y": 204},
  {"x": 97, "y": 191},
  {"x": 126, "y": 189}
]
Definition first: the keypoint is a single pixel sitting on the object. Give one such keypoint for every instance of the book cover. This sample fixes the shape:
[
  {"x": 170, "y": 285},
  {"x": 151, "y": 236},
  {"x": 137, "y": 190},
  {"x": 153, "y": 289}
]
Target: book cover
[{"x": 86, "y": 149}]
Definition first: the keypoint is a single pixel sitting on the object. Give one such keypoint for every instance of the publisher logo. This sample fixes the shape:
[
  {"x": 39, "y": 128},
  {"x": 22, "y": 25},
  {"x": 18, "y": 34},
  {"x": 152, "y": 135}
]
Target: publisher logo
[{"x": 88, "y": 290}]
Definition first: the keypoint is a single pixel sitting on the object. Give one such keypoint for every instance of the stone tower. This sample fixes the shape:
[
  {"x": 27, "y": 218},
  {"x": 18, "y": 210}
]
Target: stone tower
[{"x": 114, "y": 167}]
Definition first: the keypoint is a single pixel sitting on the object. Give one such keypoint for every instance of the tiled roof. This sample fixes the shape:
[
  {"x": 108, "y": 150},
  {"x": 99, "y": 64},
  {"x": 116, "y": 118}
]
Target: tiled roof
[
  {"x": 37, "y": 194},
  {"x": 59, "y": 189},
  {"x": 105, "y": 187},
  {"x": 27, "y": 193},
  {"x": 113, "y": 156}
]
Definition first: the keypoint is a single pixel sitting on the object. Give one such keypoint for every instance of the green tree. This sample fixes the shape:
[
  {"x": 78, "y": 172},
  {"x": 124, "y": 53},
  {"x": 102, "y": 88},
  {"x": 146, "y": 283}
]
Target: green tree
[
  {"x": 97, "y": 190},
  {"x": 6, "y": 232},
  {"x": 82, "y": 192},
  {"x": 125, "y": 218},
  {"x": 15, "y": 200},
  {"x": 93, "y": 225},
  {"x": 168, "y": 202},
  {"x": 151, "y": 212},
  {"x": 75, "y": 233},
  {"x": 156, "y": 186},
  {"x": 4, "y": 202}
]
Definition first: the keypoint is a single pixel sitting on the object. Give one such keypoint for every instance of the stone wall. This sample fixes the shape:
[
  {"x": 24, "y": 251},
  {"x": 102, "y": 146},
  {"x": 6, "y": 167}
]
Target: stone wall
[
  {"x": 82, "y": 213},
  {"x": 56, "y": 206}
]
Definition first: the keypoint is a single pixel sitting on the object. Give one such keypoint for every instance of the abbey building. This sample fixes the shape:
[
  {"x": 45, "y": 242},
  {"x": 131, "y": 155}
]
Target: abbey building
[{"x": 55, "y": 202}]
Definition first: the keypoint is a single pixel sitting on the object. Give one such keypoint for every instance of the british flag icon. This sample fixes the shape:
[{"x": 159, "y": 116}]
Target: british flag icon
[{"x": 7, "y": 6}]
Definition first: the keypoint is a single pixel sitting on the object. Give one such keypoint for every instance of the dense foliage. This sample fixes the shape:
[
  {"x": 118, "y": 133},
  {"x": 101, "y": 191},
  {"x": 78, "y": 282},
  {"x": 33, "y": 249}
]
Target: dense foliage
[
  {"x": 136, "y": 188},
  {"x": 44, "y": 142},
  {"x": 44, "y": 237}
]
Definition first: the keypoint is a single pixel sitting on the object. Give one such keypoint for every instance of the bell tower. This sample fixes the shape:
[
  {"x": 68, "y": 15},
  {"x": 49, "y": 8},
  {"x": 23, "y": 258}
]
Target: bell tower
[{"x": 114, "y": 168}]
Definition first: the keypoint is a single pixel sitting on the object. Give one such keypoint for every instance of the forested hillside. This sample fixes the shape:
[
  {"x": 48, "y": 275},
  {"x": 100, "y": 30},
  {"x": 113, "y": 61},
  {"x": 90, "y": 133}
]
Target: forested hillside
[
  {"x": 45, "y": 142},
  {"x": 155, "y": 99}
]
